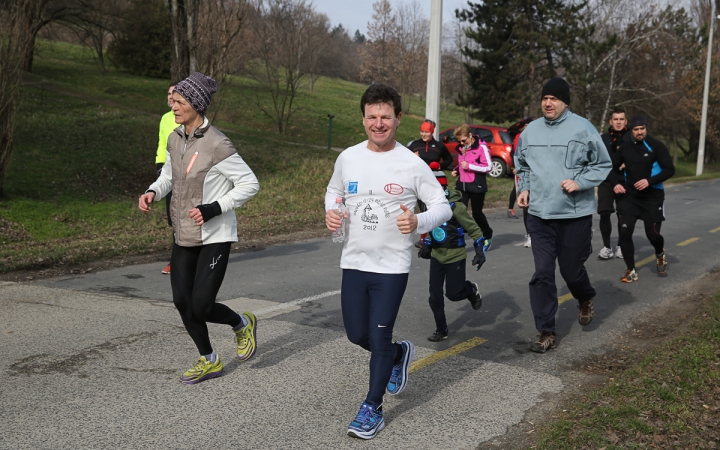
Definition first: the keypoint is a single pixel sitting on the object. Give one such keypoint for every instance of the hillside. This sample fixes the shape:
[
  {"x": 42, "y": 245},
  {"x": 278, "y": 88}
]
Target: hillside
[{"x": 85, "y": 148}]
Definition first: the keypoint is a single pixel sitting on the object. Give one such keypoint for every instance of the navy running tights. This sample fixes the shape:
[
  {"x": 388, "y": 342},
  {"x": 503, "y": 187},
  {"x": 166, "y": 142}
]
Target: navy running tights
[
  {"x": 196, "y": 276},
  {"x": 626, "y": 225},
  {"x": 370, "y": 305}
]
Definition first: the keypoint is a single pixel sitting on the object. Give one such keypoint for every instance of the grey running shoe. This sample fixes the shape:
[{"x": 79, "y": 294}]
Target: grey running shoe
[
  {"x": 476, "y": 299},
  {"x": 545, "y": 342},
  {"x": 662, "y": 264},
  {"x": 528, "y": 243},
  {"x": 605, "y": 253},
  {"x": 586, "y": 313},
  {"x": 618, "y": 252},
  {"x": 438, "y": 336}
]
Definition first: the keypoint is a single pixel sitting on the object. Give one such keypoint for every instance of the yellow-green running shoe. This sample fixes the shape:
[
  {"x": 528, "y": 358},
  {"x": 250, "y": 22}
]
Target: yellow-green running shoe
[
  {"x": 203, "y": 370},
  {"x": 245, "y": 338}
]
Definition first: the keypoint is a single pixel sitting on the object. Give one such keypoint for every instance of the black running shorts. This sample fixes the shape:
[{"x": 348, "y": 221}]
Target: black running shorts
[{"x": 648, "y": 208}]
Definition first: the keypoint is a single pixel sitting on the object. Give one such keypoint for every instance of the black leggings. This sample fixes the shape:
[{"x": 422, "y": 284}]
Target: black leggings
[
  {"x": 478, "y": 200},
  {"x": 606, "y": 228},
  {"x": 196, "y": 276},
  {"x": 513, "y": 197},
  {"x": 627, "y": 227}
]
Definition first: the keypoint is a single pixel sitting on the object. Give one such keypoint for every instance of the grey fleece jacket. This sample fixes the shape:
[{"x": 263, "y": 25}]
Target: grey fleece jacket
[{"x": 549, "y": 152}]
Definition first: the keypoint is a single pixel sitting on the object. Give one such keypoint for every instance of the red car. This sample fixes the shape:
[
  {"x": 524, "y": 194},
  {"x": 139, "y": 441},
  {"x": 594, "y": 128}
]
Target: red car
[{"x": 498, "y": 140}]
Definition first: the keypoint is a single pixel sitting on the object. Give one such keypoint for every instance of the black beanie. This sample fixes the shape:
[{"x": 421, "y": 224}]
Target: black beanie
[
  {"x": 558, "y": 88},
  {"x": 637, "y": 121}
]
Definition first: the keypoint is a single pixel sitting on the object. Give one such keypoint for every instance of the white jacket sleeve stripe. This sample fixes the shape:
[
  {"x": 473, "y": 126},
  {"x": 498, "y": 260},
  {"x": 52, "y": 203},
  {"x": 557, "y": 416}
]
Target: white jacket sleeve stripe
[{"x": 488, "y": 161}]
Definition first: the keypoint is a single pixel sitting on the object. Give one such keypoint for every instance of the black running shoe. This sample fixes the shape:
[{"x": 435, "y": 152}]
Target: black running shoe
[
  {"x": 476, "y": 299},
  {"x": 438, "y": 336}
]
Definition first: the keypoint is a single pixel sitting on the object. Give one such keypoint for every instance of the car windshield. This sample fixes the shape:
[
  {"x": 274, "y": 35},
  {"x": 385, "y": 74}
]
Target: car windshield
[
  {"x": 450, "y": 136},
  {"x": 506, "y": 138}
]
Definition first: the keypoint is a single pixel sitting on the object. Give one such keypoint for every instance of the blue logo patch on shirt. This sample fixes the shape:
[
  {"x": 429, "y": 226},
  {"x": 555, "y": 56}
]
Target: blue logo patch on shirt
[{"x": 352, "y": 187}]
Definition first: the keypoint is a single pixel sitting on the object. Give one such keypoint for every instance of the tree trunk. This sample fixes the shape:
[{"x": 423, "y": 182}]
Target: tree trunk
[
  {"x": 180, "y": 57},
  {"x": 29, "y": 56},
  {"x": 192, "y": 11},
  {"x": 16, "y": 43}
]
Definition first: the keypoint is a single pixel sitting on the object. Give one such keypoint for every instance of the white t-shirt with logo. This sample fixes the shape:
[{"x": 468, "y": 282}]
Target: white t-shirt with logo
[{"x": 374, "y": 185}]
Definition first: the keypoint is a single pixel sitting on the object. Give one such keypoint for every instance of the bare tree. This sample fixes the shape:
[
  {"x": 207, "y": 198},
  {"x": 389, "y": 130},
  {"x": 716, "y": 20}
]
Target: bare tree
[
  {"x": 318, "y": 31},
  {"x": 39, "y": 13},
  {"x": 454, "y": 76},
  {"x": 411, "y": 36},
  {"x": 15, "y": 43},
  {"x": 377, "y": 52},
  {"x": 184, "y": 16},
  {"x": 94, "y": 22},
  {"x": 219, "y": 36},
  {"x": 284, "y": 39}
]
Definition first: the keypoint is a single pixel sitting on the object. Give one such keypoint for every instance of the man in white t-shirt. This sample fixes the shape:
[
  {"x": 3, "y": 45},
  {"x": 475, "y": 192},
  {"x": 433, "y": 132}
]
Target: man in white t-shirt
[{"x": 381, "y": 182}]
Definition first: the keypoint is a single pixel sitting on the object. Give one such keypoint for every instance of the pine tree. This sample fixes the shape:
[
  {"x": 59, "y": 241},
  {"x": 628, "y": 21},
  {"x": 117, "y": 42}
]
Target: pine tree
[{"x": 518, "y": 45}]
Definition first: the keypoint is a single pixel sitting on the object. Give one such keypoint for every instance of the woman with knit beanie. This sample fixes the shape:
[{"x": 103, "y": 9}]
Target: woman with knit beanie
[{"x": 209, "y": 180}]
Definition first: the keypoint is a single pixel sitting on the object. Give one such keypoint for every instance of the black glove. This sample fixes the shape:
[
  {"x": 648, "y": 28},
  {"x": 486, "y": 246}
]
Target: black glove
[
  {"x": 209, "y": 211},
  {"x": 159, "y": 167},
  {"x": 425, "y": 248},
  {"x": 479, "y": 258}
]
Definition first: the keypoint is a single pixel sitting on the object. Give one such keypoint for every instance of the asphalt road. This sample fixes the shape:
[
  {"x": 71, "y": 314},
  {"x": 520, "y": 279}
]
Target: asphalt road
[{"x": 93, "y": 360}]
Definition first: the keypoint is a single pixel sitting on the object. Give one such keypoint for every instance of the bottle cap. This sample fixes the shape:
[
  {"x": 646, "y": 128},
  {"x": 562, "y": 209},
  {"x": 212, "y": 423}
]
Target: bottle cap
[{"x": 338, "y": 200}]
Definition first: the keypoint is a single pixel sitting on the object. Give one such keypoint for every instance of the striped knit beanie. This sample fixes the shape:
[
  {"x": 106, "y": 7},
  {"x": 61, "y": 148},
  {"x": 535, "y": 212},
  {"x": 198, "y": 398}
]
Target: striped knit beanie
[{"x": 197, "y": 89}]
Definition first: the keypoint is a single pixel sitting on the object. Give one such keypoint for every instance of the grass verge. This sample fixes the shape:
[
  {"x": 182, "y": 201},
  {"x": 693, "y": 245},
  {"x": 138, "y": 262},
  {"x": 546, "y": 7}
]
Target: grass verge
[{"x": 669, "y": 399}]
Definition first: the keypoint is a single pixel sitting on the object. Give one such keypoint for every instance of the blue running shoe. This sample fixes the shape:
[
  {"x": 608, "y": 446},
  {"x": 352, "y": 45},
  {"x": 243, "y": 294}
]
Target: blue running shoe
[
  {"x": 368, "y": 422},
  {"x": 399, "y": 376}
]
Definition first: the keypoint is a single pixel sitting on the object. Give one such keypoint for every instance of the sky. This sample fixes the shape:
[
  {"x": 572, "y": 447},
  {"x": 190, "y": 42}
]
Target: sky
[{"x": 355, "y": 14}]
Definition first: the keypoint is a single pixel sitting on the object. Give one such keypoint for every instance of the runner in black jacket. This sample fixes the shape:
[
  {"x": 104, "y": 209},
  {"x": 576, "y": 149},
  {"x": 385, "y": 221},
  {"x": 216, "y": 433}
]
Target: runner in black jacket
[
  {"x": 647, "y": 164},
  {"x": 613, "y": 138},
  {"x": 428, "y": 149}
]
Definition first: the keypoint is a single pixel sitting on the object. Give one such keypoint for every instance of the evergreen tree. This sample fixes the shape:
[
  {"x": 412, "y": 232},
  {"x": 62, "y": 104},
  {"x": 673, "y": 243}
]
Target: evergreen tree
[
  {"x": 143, "y": 45},
  {"x": 518, "y": 45}
]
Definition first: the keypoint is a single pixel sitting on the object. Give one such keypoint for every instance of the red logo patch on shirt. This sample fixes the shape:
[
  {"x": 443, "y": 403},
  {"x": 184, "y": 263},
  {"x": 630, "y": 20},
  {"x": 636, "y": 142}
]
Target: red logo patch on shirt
[{"x": 394, "y": 189}]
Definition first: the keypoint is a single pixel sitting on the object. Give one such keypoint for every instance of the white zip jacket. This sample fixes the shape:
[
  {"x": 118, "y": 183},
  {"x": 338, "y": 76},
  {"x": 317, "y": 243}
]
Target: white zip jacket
[
  {"x": 201, "y": 169},
  {"x": 374, "y": 185}
]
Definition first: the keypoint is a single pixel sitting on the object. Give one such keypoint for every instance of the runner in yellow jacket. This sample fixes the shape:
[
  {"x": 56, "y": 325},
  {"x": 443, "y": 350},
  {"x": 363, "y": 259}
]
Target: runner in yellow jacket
[{"x": 167, "y": 125}]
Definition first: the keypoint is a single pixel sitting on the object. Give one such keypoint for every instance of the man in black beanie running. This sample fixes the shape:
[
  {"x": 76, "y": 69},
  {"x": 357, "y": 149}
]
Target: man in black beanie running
[
  {"x": 647, "y": 163},
  {"x": 559, "y": 160}
]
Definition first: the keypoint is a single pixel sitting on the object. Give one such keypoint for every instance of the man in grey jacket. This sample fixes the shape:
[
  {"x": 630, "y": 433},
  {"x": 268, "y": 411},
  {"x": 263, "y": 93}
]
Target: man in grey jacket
[{"x": 559, "y": 161}]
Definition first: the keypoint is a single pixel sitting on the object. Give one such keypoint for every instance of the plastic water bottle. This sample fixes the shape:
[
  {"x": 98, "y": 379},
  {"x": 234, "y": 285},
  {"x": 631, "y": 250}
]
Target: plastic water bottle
[{"x": 339, "y": 208}]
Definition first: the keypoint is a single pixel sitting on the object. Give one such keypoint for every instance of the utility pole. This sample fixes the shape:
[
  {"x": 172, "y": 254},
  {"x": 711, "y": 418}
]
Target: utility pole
[
  {"x": 432, "y": 97},
  {"x": 706, "y": 94}
]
